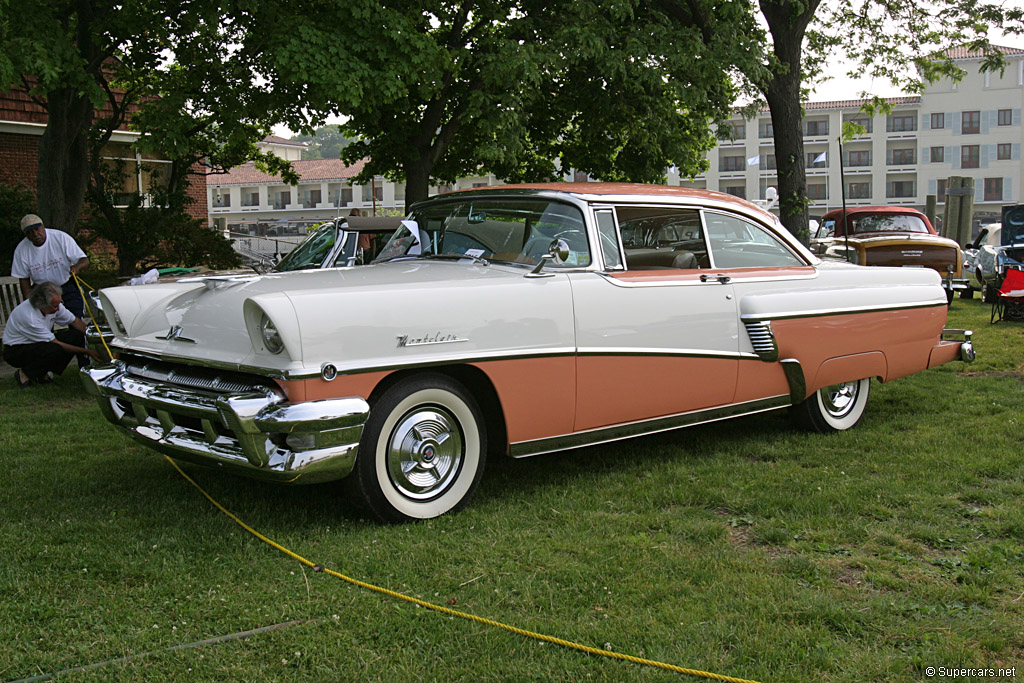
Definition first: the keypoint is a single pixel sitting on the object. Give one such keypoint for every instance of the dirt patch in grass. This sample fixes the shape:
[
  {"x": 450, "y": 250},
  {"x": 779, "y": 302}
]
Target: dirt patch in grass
[{"x": 1015, "y": 374}]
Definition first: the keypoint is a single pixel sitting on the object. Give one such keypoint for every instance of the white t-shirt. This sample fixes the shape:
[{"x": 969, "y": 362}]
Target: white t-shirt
[
  {"x": 50, "y": 262},
  {"x": 27, "y": 324}
]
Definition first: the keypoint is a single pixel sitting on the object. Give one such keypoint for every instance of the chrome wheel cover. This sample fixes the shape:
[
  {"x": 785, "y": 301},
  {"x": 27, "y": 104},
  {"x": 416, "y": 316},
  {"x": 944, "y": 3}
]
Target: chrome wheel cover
[
  {"x": 425, "y": 452},
  {"x": 839, "y": 399}
]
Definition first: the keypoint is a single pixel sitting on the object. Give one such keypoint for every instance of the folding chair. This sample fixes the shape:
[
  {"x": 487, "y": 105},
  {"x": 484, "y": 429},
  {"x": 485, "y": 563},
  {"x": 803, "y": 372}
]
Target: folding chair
[{"x": 1009, "y": 304}]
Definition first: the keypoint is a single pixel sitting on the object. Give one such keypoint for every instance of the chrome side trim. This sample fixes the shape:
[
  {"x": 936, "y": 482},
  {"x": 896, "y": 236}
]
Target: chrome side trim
[
  {"x": 795, "y": 378},
  {"x": 838, "y": 311},
  {"x": 313, "y": 373},
  {"x": 255, "y": 433},
  {"x": 657, "y": 351},
  {"x": 590, "y": 437},
  {"x": 697, "y": 283}
]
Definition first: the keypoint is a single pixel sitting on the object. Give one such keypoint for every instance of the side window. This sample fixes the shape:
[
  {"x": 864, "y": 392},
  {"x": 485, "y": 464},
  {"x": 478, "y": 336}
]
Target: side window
[
  {"x": 607, "y": 228},
  {"x": 662, "y": 237},
  {"x": 736, "y": 243}
]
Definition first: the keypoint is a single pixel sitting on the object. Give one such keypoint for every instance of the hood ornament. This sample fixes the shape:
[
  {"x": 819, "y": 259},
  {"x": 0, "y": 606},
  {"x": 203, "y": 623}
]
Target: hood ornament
[{"x": 174, "y": 334}]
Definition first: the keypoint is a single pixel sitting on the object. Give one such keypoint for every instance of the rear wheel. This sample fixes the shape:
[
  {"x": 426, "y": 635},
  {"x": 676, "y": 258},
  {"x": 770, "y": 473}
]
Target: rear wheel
[
  {"x": 834, "y": 408},
  {"x": 989, "y": 294},
  {"x": 423, "y": 450}
]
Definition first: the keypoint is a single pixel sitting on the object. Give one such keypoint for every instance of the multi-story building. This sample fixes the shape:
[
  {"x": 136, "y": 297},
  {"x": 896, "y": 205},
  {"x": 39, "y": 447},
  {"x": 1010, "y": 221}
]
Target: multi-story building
[
  {"x": 970, "y": 128},
  {"x": 247, "y": 200}
]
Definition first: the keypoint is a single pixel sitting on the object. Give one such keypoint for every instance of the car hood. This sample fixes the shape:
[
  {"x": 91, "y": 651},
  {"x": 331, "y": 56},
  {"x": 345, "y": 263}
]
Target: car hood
[{"x": 350, "y": 317}]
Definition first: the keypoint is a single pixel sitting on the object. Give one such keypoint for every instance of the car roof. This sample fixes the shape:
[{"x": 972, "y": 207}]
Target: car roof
[
  {"x": 372, "y": 223},
  {"x": 853, "y": 211},
  {"x": 595, "y": 190}
]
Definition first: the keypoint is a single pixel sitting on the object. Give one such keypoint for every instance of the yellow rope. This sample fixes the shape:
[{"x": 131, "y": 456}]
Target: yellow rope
[
  {"x": 78, "y": 283},
  {"x": 456, "y": 613}
]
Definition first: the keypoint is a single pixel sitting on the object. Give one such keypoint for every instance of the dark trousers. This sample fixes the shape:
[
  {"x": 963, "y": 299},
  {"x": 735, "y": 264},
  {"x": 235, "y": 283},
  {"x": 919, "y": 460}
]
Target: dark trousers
[
  {"x": 72, "y": 298},
  {"x": 38, "y": 358}
]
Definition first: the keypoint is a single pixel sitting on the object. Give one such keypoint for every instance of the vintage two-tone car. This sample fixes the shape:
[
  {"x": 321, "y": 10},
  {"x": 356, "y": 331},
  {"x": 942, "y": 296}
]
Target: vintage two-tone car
[
  {"x": 512, "y": 321},
  {"x": 891, "y": 236}
]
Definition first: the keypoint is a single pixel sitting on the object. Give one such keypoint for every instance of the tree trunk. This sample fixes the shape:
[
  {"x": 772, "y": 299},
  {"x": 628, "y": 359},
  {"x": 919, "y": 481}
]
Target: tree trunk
[
  {"x": 787, "y": 22},
  {"x": 417, "y": 180},
  {"x": 64, "y": 159},
  {"x": 783, "y": 96}
]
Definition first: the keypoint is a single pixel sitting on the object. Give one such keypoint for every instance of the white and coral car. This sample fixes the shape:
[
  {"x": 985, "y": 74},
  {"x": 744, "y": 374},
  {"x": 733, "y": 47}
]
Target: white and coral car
[{"x": 512, "y": 321}]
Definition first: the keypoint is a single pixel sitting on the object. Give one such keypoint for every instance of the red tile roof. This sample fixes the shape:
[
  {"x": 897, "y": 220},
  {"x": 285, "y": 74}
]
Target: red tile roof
[
  {"x": 965, "y": 53},
  {"x": 277, "y": 140},
  {"x": 308, "y": 170},
  {"x": 857, "y": 104}
]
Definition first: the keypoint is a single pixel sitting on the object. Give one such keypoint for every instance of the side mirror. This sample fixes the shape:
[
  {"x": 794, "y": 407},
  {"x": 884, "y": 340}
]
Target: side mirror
[{"x": 558, "y": 253}]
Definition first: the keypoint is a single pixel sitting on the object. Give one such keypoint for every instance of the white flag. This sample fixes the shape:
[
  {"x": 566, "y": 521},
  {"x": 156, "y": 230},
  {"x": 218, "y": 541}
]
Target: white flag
[
  {"x": 754, "y": 160},
  {"x": 820, "y": 158}
]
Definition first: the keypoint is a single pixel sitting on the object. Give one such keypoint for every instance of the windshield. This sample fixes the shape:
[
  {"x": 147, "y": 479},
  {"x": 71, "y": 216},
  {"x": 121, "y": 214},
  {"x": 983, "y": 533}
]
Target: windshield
[
  {"x": 312, "y": 252},
  {"x": 892, "y": 222},
  {"x": 500, "y": 230}
]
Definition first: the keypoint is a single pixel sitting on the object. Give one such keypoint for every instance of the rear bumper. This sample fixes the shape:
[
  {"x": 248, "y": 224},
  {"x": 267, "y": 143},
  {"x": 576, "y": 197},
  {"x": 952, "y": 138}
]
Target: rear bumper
[
  {"x": 255, "y": 433},
  {"x": 948, "y": 350}
]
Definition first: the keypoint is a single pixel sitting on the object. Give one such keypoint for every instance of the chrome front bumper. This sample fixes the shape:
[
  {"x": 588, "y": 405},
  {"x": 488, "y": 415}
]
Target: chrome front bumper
[{"x": 255, "y": 433}]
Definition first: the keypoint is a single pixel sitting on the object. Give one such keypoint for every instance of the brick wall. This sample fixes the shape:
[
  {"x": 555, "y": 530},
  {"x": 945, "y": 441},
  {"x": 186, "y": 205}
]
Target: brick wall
[{"x": 19, "y": 159}]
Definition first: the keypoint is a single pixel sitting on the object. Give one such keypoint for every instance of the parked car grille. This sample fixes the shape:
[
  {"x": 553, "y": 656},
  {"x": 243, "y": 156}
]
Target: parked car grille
[{"x": 194, "y": 377}]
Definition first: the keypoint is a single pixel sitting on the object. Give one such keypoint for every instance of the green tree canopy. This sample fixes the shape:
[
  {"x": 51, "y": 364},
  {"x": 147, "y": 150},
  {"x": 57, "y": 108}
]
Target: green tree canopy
[
  {"x": 326, "y": 142},
  {"x": 439, "y": 90}
]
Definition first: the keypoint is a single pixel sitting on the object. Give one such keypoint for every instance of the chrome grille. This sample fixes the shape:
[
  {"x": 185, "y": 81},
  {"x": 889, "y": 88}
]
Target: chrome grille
[
  {"x": 193, "y": 377},
  {"x": 762, "y": 339}
]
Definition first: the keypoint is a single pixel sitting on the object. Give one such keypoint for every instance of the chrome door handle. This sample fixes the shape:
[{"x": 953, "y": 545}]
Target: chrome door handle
[{"x": 721, "y": 277}]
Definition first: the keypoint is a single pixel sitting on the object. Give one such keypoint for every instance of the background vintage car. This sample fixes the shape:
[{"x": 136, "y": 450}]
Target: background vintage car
[
  {"x": 512, "y": 321},
  {"x": 891, "y": 236},
  {"x": 998, "y": 248},
  {"x": 342, "y": 242}
]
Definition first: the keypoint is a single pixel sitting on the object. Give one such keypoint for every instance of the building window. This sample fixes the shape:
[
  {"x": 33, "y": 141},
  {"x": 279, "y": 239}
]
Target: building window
[
  {"x": 813, "y": 128},
  {"x": 969, "y": 156},
  {"x": 862, "y": 158},
  {"x": 313, "y": 197},
  {"x": 766, "y": 130},
  {"x": 817, "y": 191},
  {"x": 901, "y": 189},
  {"x": 577, "y": 177},
  {"x": 858, "y": 190},
  {"x": 993, "y": 189},
  {"x": 971, "y": 123},
  {"x": 937, "y": 155},
  {"x": 254, "y": 199},
  {"x": 815, "y": 160},
  {"x": 938, "y": 121},
  {"x": 736, "y": 191},
  {"x": 1004, "y": 151},
  {"x": 1005, "y": 117},
  {"x": 940, "y": 191},
  {"x": 739, "y": 130},
  {"x": 769, "y": 162},
  {"x": 733, "y": 163},
  {"x": 901, "y": 123},
  {"x": 863, "y": 121},
  {"x": 902, "y": 157}
]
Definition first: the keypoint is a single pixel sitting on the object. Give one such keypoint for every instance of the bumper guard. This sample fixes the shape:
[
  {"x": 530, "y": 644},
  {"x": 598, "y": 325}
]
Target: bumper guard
[{"x": 255, "y": 433}]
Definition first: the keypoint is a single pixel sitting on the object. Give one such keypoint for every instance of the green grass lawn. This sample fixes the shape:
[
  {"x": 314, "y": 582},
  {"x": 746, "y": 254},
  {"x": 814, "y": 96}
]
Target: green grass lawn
[{"x": 748, "y": 548}]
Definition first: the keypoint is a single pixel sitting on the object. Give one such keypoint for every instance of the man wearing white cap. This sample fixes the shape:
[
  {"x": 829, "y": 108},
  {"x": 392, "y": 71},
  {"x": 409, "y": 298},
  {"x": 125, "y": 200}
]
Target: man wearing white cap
[{"x": 49, "y": 256}]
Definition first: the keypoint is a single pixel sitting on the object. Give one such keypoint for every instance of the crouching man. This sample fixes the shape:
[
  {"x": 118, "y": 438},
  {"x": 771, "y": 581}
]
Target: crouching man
[{"x": 30, "y": 344}]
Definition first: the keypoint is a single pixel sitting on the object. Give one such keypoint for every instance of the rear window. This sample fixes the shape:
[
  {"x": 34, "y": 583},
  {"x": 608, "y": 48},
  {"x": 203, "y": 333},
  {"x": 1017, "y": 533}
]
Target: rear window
[{"x": 892, "y": 222}]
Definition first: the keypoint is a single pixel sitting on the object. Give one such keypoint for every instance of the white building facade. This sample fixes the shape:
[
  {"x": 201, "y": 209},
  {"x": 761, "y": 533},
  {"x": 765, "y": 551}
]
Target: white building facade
[{"x": 971, "y": 128}]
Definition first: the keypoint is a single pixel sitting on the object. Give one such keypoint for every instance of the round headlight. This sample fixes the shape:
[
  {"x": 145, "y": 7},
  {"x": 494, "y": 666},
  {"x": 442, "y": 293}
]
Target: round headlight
[{"x": 271, "y": 337}]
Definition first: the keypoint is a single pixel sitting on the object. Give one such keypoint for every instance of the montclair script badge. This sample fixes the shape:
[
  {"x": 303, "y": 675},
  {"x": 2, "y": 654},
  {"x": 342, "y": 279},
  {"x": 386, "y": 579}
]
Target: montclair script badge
[{"x": 436, "y": 338}]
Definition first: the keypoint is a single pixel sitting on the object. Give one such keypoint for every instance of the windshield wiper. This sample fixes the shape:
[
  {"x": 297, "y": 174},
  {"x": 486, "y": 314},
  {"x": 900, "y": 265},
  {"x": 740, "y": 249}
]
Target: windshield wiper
[{"x": 457, "y": 257}]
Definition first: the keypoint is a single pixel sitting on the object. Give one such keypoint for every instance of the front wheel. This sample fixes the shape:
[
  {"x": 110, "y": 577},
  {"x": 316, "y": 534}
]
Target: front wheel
[
  {"x": 423, "y": 450},
  {"x": 834, "y": 408}
]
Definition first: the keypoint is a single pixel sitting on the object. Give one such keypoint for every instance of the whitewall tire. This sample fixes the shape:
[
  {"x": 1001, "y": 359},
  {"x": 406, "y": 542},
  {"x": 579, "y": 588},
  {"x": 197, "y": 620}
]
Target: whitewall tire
[
  {"x": 834, "y": 408},
  {"x": 423, "y": 450}
]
